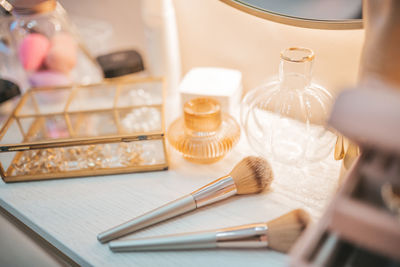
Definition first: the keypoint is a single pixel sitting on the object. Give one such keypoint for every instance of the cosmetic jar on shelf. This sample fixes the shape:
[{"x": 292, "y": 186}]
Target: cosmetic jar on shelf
[{"x": 48, "y": 46}]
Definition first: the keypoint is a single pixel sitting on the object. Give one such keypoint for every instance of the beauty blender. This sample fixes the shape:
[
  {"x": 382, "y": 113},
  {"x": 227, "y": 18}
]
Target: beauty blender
[
  {"x": 62, "y": 55},
  {"x": 32, "y": 51},
  {"x": 48, "y": 78}
]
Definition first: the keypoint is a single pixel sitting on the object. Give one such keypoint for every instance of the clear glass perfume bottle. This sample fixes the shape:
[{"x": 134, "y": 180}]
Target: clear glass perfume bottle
[
  {"x": 284, "y": 119},
  {"x": 204, "y": 134}
]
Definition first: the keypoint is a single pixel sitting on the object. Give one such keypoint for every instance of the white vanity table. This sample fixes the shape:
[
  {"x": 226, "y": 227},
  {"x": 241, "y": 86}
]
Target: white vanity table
[{"x": 69, "y": 213}]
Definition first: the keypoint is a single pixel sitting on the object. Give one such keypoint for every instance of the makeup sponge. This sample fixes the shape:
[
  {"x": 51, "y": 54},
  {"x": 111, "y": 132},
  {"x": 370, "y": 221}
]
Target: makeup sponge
[
  {"x": 48, "y": 78},
  {"x": 62, "y": 55},
  {"x": 32, "y": 51}
]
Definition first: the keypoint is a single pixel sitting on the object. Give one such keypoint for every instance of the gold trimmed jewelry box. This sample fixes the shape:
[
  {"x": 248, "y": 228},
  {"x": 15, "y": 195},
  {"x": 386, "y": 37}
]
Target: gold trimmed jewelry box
[{"x": 113, "y": 127}]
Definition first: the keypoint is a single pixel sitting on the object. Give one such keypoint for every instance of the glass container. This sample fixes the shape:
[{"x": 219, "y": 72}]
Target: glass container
[
  {"x": 10, "y": 69},
  {"x": 204, "y": 134},
  {"x": 48, "y": 46},
  {"x": 285, "y": 119},
  {"x": 97, "y": 129}
]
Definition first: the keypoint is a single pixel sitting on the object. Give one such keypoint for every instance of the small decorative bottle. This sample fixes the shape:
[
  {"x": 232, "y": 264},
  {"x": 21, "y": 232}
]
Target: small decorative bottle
[
  {"x": 204, "y": 134},
  {"x": 284, "y": 120}
]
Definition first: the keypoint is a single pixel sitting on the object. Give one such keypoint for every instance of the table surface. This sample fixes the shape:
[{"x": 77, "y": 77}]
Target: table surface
[{"x": 69, "y": 213}]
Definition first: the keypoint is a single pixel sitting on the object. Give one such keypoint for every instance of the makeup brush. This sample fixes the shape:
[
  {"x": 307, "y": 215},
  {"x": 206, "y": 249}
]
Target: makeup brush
[
  {"x": 251, "y": 175},
  {"x": 279, "y": 234}
]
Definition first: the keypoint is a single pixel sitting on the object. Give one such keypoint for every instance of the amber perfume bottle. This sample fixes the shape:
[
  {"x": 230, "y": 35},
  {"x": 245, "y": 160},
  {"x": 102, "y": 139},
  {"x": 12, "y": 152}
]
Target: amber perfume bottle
[{"x": 204, "y": 134}]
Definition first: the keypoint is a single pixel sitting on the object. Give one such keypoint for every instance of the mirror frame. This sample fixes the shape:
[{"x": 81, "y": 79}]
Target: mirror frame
[{"x": 350, "y": 24}]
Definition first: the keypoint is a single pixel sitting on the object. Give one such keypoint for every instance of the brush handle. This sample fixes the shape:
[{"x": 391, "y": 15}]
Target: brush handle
[
  {"x": 244, "y": 236},
  {"x": 172, "y": 242},
  {"x": 169, "y": 210}
]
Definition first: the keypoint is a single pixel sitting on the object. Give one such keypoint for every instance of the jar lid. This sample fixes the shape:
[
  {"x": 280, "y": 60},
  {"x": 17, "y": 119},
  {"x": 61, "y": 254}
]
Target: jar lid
[
  {"x": 202, "y": 114},
  {"x": 8, "y": 90},
  {"x": 120, "y": 63},
  {"x": 29, "y": 7}
]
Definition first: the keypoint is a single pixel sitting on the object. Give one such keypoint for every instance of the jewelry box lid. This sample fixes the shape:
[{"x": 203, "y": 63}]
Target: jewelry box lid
[{"x": 109, "y": 112}]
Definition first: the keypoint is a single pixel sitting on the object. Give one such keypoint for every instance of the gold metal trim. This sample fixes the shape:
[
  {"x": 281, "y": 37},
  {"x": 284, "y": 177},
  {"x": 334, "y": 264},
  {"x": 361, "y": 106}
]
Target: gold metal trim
[
  {"x": 86, "y": 172},
  {"x": 309, "y": 57},
  {"x": 2, "y": 171},
  {"x": 294, "y": 21},
  {"x": 81, "y": 141}
]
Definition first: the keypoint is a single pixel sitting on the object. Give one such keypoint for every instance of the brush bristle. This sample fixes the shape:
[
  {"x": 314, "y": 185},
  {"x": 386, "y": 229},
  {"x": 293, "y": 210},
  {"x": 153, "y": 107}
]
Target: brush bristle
[
  {"x": 252, "y": 175},
  {"x": 284, "y": 231}
]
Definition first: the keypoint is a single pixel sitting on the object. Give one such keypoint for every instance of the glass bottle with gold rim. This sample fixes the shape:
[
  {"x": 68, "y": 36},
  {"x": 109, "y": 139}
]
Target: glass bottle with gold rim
[{"x": 285, "y": 120}]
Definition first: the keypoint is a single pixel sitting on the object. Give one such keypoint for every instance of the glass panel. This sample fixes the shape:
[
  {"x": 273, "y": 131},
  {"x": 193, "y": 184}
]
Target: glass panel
[
  {"x": 6, "y": 159},
  {"x": 47, "y": 128},
  {"x": 29, "y": 107},
  {"x": 45, "y": 102},
  {"x": 140, "y": 94},
  {"x": 144, "y": 119},
  {"x": 93, "y": 98},
  {"x": 93, "y": 124},
  {"x": 153, "y": 152},
  {"x": 51, "y": 101},
  {"x": 13, "y": 134},
  {"x": 87, "y": 157},
  {"x": 26, "y": 123}
]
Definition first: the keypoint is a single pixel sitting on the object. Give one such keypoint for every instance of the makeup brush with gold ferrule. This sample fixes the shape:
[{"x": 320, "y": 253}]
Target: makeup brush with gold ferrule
[
  {"x": 250, "y": 175},
  {"x": 279, "y": 234}
]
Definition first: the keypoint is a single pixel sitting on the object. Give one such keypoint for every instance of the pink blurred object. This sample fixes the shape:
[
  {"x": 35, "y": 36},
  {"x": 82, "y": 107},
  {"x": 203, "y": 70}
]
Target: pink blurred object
[
  {"x": 369, "y": 117},
  {"x": 62, "y": 55},
  {"x": 33, "y": 50},
  {"x": 49, "y": 78}
]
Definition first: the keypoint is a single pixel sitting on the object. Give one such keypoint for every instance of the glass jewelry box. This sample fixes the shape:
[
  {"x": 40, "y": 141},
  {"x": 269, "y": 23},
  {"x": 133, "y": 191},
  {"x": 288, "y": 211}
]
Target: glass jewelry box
[{"x": 108, "y": 128}]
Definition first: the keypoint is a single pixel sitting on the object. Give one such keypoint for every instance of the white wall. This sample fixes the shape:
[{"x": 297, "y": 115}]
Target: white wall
[
  {"x": 211, "y": 33},
  {"x": 214, "y": 34}
]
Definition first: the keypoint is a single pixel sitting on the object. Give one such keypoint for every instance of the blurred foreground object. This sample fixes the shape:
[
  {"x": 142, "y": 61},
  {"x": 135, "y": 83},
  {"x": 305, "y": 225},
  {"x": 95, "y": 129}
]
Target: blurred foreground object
[
  {"x": 361, "y": 226},
  {"x": 362, "y": 223}
]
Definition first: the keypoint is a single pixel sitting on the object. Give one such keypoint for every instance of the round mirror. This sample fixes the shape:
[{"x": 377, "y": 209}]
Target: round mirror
[{"x": 317, "y": 14}]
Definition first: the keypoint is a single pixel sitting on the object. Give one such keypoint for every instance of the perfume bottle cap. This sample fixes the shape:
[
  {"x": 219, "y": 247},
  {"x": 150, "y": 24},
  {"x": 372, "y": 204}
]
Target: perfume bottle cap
[
  {"x": 202, "y": 114},
  {"x": 30, "y": 7}
]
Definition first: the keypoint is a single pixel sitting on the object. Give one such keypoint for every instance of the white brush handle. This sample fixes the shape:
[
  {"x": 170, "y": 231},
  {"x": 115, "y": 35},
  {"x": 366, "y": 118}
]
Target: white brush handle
[{"x": 169, "y": 210}]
